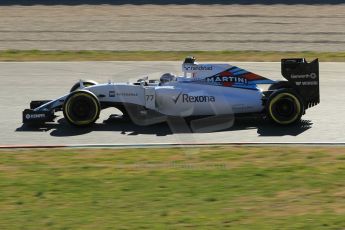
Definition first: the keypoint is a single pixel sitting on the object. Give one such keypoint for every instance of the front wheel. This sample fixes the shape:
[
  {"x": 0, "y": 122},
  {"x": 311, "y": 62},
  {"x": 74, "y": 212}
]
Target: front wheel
[
  {"x": 86, "y": 83},
  {"x": 81, "y": 108},
  {"x": 285, "y": 107}
]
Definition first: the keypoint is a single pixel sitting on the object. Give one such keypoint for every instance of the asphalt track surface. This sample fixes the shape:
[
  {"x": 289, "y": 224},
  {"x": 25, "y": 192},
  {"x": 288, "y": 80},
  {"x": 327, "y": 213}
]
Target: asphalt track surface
[
  {"x": 173, "y": 27},
  {"x": 23, "y": 82}
]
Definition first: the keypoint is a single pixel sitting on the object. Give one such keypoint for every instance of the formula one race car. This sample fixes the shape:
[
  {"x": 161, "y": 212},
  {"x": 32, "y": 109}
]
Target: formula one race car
[{"x": 202, "y": 90}]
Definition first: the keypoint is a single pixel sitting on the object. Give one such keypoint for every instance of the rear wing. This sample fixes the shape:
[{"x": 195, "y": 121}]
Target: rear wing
[{"x": 304, "y": 77}]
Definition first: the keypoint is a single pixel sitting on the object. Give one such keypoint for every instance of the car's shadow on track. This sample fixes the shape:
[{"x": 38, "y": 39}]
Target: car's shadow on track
[{"x": 125, "y": 127}]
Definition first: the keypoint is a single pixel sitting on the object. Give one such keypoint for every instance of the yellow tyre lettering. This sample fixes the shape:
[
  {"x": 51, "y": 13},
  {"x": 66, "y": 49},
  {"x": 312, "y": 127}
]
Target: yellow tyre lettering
[
  {"x": 81, "y": 122},
  {"x": 279, "y": 96}
]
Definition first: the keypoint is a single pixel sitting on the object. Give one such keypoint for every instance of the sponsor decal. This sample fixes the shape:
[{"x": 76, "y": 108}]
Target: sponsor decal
[
  {"x": 227, "y": 79},
  {"x": 299, "y": 83},
  {"x": 303, "y": 76},
  {"x": 126, "y": 94},
  {"x": 178, "y": 96},
  {"x": 35, "y": 116},
  {"x": 198, "y": 67},
  {"x": 186, "y": 98},
  {"x": 111, "y": 93},
  {"x": 122, "y": 94}
]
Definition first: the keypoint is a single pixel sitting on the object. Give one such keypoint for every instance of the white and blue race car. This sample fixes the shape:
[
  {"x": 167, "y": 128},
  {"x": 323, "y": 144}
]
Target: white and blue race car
[{"x": 202, "y": 90}]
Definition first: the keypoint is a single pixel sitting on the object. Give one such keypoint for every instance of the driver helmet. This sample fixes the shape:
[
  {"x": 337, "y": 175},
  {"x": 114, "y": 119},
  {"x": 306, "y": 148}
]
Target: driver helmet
[{"x": 167, "y": 77}]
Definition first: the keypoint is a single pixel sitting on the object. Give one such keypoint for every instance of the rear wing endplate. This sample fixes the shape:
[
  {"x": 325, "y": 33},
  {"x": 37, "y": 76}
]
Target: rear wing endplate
[{"x": 304, "y": 77}]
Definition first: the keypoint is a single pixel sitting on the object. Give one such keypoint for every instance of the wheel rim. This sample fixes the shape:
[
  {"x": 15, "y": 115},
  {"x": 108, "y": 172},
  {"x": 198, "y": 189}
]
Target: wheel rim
[
  {"x": 81, "y": 109},
  {"x": 285, "y": 108}
]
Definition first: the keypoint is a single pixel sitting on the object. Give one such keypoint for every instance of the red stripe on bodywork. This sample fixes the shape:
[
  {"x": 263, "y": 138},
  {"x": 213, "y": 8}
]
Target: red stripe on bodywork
[
  {"x": 225, "y": 74},
  {"x": 228, "y": 84},
  {"x": 252, "y": 77}
]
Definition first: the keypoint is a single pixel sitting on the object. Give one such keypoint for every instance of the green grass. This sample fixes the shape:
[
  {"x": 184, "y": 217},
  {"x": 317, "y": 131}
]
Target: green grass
[
  {"x": 200, "y": 188},
  {"x": 37, "y": 55}
]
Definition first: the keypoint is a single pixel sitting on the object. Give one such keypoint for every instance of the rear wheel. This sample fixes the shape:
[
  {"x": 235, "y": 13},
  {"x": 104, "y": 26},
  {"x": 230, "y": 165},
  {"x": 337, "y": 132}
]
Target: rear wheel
[
  {"x": 285, "y": 107},
  {"x": 81, "y": 108}
]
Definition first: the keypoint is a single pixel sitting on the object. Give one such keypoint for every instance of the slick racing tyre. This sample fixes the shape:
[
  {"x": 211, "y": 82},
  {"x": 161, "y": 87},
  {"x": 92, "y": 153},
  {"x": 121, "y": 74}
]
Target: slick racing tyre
[
  {"x": 81, "y": 108},
  {"x": 86, "y": 83},
  {"x": 285, "y": 107}
]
